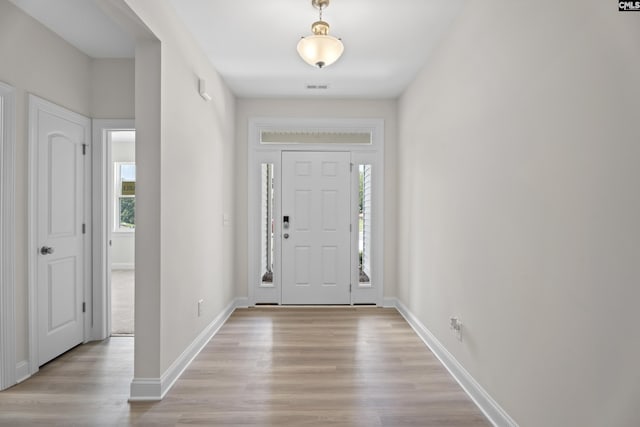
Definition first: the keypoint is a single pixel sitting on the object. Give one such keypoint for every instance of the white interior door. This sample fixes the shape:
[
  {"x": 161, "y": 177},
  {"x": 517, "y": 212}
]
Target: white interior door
[
  {"x": 315, "y": 227},
  {"x": 59, "y": 214}
]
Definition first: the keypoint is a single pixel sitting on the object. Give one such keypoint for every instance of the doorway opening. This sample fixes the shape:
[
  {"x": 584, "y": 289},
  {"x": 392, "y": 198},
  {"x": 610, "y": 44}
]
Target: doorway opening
[
  {"x": 315, "y": 211},
  {"x": 121, "y": 223},
  {"x": 114, "y": 195}
]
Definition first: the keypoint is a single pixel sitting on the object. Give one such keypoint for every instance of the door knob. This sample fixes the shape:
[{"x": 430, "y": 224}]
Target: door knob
[
  {"x": 286, "y": 235},
  {"x": 45, "y": 250}
]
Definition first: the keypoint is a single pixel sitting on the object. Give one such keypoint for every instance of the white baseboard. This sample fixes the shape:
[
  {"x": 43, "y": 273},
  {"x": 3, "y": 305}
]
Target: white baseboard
[
  {"x": 22, "y": 371},
  {"x": 152, "y": 389},
  {"x": 145, "y": 390},
  {"x": 389, "y": 302},
  {"x": 496, "y": 415},
  {"x": 123, "y": 266},
  {"x": 242, "y": 302}
]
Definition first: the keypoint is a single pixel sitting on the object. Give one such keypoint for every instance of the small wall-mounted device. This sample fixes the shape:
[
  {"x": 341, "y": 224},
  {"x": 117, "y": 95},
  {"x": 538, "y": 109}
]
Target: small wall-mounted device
[
  {"x": 200, "y": 302},
  {"x": 285, "y": 221},
  {"x": 456, "y": 325},
  {"x": 202, "y": 88}
]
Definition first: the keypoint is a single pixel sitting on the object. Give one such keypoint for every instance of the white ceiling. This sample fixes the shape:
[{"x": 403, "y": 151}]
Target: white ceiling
[
  {"x": 82, "y": 24},
  {"x": 253, "y": 43}
]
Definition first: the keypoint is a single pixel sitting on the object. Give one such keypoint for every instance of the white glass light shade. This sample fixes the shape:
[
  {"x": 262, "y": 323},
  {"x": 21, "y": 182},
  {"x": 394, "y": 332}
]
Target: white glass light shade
[{"x": 320, "y": 50}]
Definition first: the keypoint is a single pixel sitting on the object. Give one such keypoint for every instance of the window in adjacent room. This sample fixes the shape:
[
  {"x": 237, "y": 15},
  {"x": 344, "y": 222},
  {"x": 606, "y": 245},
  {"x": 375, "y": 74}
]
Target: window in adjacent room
[{"x": 125, "y": 196}]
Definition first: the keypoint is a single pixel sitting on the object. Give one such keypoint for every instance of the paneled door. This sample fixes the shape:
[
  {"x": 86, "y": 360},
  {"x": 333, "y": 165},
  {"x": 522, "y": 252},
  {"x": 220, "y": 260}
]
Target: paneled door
[
  {"x": 315, "y": 227},
  {"x": 59, "y": 138}
]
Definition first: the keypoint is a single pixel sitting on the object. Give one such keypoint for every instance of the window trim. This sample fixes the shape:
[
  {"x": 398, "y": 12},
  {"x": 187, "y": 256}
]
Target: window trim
[
  {"x": 117, "y": 194},
  {"x": 259, "y": 153}
]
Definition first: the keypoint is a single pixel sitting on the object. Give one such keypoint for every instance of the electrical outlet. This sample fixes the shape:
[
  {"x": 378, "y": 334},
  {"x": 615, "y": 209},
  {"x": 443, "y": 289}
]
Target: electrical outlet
[{"x": 200, "y": 302}]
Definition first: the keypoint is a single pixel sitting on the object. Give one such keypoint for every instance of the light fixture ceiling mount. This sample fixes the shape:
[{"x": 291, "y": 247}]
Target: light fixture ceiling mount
[
  {"x": 320, "y": 49},
  {"x": 319, "y": 4}
]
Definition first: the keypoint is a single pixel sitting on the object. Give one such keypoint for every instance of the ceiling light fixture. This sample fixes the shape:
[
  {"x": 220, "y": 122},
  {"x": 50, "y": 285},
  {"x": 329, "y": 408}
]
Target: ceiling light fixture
[{"x": 320, "y": 49}]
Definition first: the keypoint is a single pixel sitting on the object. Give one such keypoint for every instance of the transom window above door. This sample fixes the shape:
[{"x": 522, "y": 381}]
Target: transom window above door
[{"x": 316, "y": 137}]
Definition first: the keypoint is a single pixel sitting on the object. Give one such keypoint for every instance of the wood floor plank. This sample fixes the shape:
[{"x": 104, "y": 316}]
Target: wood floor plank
[{"x": 310, "y": 366}]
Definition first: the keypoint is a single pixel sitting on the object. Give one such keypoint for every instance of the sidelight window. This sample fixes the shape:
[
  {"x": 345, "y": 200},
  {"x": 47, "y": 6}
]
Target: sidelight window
[
  {"x": 267, "y": 224},
  {"x": 364, "y": 224}
]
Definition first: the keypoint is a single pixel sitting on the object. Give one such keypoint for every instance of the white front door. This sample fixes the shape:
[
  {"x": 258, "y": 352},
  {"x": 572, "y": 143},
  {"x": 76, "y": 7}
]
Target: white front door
[
  {"x": 59, "y": 194},
  {"x": 315, "y": 227}
]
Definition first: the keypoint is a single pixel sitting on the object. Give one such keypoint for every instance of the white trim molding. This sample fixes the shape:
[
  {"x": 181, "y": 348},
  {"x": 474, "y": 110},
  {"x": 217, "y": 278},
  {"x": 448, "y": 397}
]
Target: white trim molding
[
  {"x": 8, "y": 368},
  {"x": 22, "y": 371},
  {"x": 122, "y": 266},
  {"x": 315, "y": 134},
  {"x": 153, "y": 389},
  {"x": 489, "y": 407},
  {"x": 101, "y": 184}
]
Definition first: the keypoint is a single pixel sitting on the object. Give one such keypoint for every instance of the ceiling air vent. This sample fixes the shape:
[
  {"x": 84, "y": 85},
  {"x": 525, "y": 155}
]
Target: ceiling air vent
[{"x": 325, "y": 86}]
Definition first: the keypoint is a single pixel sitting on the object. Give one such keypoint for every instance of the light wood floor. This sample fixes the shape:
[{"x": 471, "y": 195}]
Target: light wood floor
[{"x": 265, "y": 367}]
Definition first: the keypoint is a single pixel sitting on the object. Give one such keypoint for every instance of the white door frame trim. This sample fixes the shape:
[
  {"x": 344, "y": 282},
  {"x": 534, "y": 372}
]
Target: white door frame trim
[
  {"x": 271, "y": 153},
  {"x": 37, "y": 104},
  {"x": 8, "y": 374},
  {"x": 101, "y": 327}
]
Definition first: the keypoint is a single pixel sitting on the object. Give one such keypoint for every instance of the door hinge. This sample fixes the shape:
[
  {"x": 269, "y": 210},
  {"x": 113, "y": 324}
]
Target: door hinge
[
  {"x": 349, "y": 287},
  {"x": 350, "y": 228},
  {"x": 350, "y": 167},
  {"x": 84, "y": 149},
  {"x": 84, "y": 307},
  {"x": 84, "y": 228}
]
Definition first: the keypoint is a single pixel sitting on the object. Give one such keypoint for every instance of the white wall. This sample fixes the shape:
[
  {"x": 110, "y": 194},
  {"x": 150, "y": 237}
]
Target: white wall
[
  {"x": 123, "y": 251},
  {"x": 314, "y": 108},
  {"x": 519, "y": 205},
  {"x": 35, "y": 60},
  {"x": 124, "y": 243},
  {"x": 112, "y": 88},
  {"x": 184, "y": 185}
]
